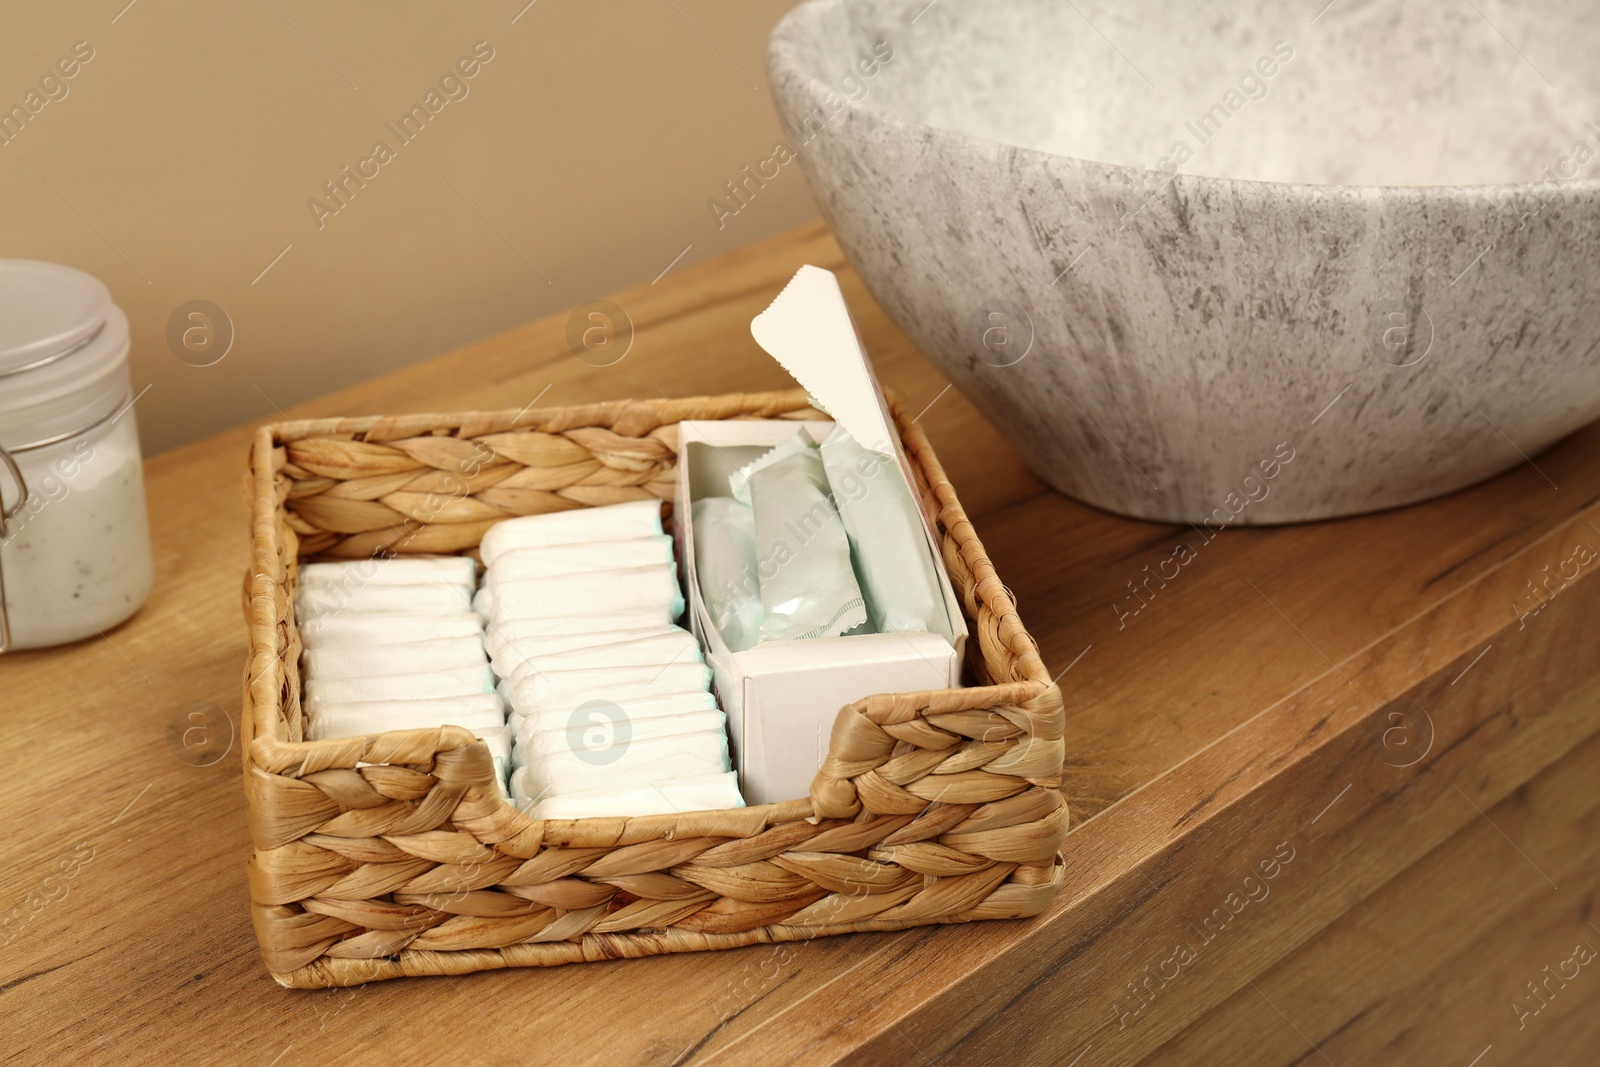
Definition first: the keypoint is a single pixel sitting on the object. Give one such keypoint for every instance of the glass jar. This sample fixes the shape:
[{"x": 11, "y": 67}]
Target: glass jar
[{"x": 74, "y": 540}]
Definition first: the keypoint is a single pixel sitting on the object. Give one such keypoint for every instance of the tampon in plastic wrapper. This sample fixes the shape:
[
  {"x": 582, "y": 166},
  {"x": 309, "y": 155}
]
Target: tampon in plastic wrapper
[
  {"x": 444, "y": 570},
  {"x": 727, "y": 570},
  {"x": 572, "y": 625},
  {"x": 578, "y": 735},
  {"x": 638, "y": 702},
  {"x": 554, "y": 560},
  {"x": 888, "y": 539},
  {"x": 615, "y": 764},
  {"x": 378, "y": 716},
  {"x": 662, "y": 649},
  {"x": 808, "y": 584},
  {"x": 464, "y": 681},
  {"x": 331, "y": 631},
  {"x": 612, "y": 522},
  {"x": 514, "y": 651},
  {"x": 700, "y": 793},
  {"x": 548, "y": 687},
  {"x": 598, "y": 711},
  {"x": 638, "y": 589},
  {"x": 312, "y": 601},
  {"x": 358, "y": 661}
]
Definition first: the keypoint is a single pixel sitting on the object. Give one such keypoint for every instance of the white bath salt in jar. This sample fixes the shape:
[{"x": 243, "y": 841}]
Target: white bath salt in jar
[{"x": 74, "y": 542}]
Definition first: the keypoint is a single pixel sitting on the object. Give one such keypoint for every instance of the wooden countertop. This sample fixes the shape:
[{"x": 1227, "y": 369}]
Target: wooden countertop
[{"x": 1334, "y": 787}]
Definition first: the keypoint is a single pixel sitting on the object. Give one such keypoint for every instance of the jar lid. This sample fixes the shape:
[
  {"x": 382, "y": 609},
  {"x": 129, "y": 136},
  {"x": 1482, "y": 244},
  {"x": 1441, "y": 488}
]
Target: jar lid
[{"x": 46, "y": 309}]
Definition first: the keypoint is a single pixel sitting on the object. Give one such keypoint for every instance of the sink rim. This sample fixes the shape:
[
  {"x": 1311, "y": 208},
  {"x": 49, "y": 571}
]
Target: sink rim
[{"x": 784, "y": 63}]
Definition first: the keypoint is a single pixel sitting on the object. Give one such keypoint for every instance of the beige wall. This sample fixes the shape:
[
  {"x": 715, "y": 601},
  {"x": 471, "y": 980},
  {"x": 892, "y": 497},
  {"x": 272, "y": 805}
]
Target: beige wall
[{"x": 183, "y": 155}]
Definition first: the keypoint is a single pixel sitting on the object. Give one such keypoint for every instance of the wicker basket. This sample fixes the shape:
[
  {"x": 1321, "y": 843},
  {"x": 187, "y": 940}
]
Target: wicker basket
[{"x": 394, "y": 854}]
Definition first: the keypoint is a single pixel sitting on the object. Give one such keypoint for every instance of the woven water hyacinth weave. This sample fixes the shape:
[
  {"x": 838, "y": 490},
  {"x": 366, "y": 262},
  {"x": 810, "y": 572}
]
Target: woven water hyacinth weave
[{"x": 395, "y": 854}]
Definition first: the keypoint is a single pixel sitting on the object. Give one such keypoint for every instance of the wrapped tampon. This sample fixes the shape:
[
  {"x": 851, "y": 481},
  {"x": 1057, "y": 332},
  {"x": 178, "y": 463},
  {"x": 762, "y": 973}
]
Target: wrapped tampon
[
  {"x": 513, "y": 651},
  {"x": 612, "y": 522},
  {"x": 639, "y": 703},
  {"x": 727, "y": 570},
  {"x": 498, "y": 738},
  {"x": 481, "y": 711},
  {"x": 444, "y": 570},
  {"x": 580, "y": 731},
  {"x": 699, "y": 793},
  {"x": 586, "y": 625},
  {"x": 636, "y": 589},
  {"x": 675, "y": 646},
  {"x": 622, "y": 705},
  {"x": 316, "y": 600},
  {"x": 888, "y": 540},
  {"x": 808, "y": 585},
  {"x": 549, "y": 687},
  {"x": 615, "y": 763},
  {"x": 357, "y": 661},
  {"x": 463, "y": 681},
  {"x": 441, "y": 708},
  {"x": 554, "y": 560},
  {"x": 331, "y": 631}
]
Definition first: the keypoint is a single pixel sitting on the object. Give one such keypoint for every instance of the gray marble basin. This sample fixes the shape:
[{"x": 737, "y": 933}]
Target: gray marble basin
[{"x": 1224, "y": 262}]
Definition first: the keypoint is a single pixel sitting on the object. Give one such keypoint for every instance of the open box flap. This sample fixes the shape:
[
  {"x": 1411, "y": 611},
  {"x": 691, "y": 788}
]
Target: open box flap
[{"x": 808, "y": 329}]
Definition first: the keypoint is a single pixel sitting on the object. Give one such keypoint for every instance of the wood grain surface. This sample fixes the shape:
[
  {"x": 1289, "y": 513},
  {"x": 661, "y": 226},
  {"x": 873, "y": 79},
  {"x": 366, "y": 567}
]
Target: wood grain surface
[{"x": 1334, "y": 786}]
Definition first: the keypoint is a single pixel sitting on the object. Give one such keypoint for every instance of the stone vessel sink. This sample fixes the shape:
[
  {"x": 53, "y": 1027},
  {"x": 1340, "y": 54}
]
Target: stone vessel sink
[{"x": 1224, "y": 262}]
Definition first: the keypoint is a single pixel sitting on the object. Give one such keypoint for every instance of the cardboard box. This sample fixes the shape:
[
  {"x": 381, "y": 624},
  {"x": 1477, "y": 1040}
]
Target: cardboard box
[{"x": 782, "y": 697}]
